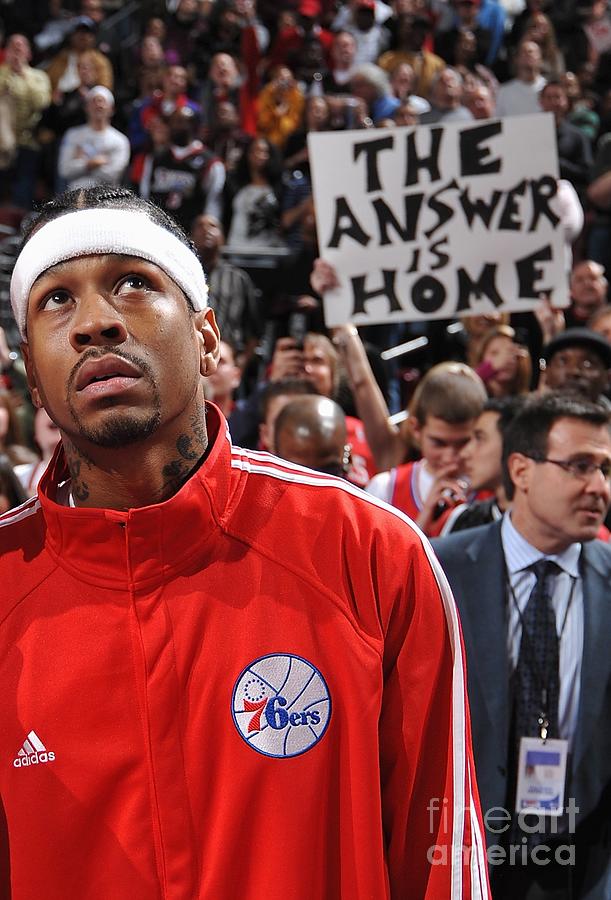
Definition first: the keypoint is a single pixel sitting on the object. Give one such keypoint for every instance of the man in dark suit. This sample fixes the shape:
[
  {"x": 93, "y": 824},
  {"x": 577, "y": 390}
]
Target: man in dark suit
[{"x": 557, "y": 466}]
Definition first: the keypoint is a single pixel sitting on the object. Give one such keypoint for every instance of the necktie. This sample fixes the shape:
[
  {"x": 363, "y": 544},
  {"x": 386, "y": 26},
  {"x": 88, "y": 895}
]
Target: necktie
[{"x": 537, "y": 678}]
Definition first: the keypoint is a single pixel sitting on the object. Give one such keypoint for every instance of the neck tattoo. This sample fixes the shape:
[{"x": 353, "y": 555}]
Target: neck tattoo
[
  {"x": 191, "y": 447},
  {"x": 78, "y": 464}
]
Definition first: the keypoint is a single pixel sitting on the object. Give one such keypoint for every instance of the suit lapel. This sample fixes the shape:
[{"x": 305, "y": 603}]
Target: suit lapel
[
  {"x": 596, "y": 662},
  {"x": 485, "y": 627}
]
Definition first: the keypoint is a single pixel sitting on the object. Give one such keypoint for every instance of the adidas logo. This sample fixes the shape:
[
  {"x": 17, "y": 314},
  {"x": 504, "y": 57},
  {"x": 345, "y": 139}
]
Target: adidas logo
[{"x": 33, "y": 752}]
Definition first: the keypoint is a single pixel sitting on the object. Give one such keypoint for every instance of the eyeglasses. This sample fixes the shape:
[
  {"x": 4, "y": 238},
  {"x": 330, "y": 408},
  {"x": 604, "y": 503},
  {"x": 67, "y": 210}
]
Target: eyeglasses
[{"x": 578, "y": 468}]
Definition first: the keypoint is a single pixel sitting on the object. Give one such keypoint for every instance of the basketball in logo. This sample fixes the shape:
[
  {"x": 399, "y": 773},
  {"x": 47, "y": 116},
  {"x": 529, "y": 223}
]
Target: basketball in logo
[{"x": 281, "y": 705}]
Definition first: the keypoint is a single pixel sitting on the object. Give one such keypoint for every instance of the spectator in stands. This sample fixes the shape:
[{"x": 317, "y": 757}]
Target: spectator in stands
[
  {"x": 147, "y": 75},
  {"x": 482, "y": 460},
  {"x": 474, "y": 332},
  {"x": 182, "y": 32},
  {"x": 69, "y": 110},
  {"x": 539, "y": 28},
  {"x": 450, "y": 45},
  {"x": 446, "y": 99},
  {"x": 223, "y": 34},
  {"x": 599, "y": 195},
  {"x": 600, "y": 322},
  {"x": 62, "y": 69},
  {"x": 12, "y": 493},
  {"x": 490, "y": 16},
  {"x": 155, "y": 27},
  {"x": 574, "y": 148},
  {"x": 318, "y": 362},
  {"x": 172, "y": 96},
  {"x": 298, "y": 186},
  {"x": 28, "y": 91},
  {"x": 273, "y": 397},
  {"x": 316, "y": 117},
  {"x": 588, "y": 287},
  {"x": 252, "y": 202},
  {"x": 310, "y": 66},
  {"x": 401, "y": 80},
  {"x": 232, "y": 294},
  {"x": 520, "y": 96},
  {"x": 590, "y": 36},
  {"x": 95, "y": 153},
  {"x": 280, "y": 107},
  {"x": 471, "y": 71},
  {"x": 222, "y": 85},
  {"x": 53, "y": 31},
  {"x": 13, "y": 376},
  {"x": 158, "y": 133},
  {"x": 185, "y": 178},
  {"x": 46, "y": 439},
  {"x": 443, "y": 411},
  {"x": 12, "y": 440},
  {"x": 311, "y": 431},
  {"x": 503, "y": 364},
  {"x": 94, "y": 9},
  {"x": 406, "y": 114},
  {"x": 370, "y": 83},
  {"x": 523, "y": 17},
  {"x": 226, "y": 139},
  {"x": 343, "y": 53},
  {"x": 371, "y": 37},
  {"x": 402, "y": 85},
  {"x": 577, "y": 360},
  {"x": 480, "y": 102},
  {"x": 224, "y": 381},
  {"x": 383, "y": 13},
  {"x": 409, "y": 46},
  {"x": 292, "y": 41}
]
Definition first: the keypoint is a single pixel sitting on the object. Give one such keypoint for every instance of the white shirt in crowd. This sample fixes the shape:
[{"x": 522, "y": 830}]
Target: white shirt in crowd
[
  {"x": 518, "y": 98},
  {"x": 81, "y": 144}
]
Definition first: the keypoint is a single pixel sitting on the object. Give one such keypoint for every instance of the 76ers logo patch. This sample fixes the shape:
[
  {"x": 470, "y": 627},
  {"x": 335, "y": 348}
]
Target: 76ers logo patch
[{"x": 281, "y": 705}]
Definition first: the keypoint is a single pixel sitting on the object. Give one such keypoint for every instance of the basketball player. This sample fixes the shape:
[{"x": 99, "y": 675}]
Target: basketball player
[{"x": 222, "y": 676}]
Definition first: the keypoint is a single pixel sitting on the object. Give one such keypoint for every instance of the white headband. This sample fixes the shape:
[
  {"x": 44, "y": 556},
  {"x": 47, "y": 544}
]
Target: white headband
[{"x": 98, "y": 231}]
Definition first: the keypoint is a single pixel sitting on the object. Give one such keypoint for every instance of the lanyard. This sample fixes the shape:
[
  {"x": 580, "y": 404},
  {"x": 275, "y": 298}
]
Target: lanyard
[{"x": 541, "y": 677}]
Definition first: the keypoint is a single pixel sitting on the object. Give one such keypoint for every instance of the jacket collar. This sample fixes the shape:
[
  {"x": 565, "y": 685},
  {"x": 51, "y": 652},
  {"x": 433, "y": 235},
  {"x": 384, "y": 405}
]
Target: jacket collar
[{"x": 143, "y": 547}]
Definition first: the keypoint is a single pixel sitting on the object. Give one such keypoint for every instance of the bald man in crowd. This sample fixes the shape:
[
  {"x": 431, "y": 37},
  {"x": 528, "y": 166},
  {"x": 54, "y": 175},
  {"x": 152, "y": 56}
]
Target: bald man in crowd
[{"x": 311, "y": 431}]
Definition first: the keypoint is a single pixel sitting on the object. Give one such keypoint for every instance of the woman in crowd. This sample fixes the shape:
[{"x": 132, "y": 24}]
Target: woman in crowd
[
  {"x": 280, "y": 107},
  {"x": 46, "y": 439},
  {"x": 503, "y": 365},
  {"x": 253, "y": 198},
  {"x": 539, "y": 28},
  {"x": 316, "y": 117},
  {"x": 11, "y": 491},
  {"x": 12, "y": 442}
]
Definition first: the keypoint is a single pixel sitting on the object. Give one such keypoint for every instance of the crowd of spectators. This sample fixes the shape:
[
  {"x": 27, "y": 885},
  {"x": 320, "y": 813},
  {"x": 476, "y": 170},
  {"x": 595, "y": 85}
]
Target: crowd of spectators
[
  {"x": 206, "y": 109},
  {"x": 207, "y": 112}
]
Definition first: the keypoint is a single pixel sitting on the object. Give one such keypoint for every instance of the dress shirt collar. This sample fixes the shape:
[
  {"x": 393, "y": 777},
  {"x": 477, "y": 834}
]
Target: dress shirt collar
[{"x": 520, "y": 555}]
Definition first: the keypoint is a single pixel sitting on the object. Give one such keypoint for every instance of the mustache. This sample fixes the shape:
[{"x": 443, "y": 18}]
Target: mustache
[{"x": 100, "y": 353}]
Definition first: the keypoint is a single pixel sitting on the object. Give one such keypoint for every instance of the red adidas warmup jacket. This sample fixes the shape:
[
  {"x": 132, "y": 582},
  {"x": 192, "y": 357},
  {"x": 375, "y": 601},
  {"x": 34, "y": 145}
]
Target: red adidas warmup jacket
[{"x": 254, "y": 690}]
